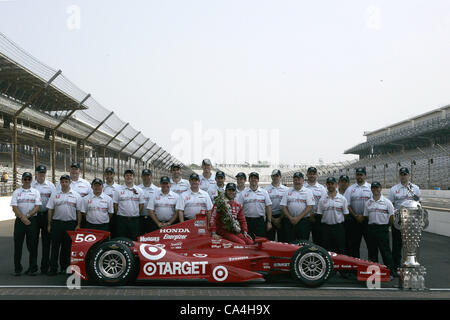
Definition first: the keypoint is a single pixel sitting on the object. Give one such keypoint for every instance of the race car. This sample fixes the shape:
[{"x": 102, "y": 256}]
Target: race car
[{"x": 187, "y": 251}]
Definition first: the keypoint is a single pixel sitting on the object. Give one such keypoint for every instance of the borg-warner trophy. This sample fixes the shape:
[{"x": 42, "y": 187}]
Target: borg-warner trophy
[{"x": 411, "y": 219}]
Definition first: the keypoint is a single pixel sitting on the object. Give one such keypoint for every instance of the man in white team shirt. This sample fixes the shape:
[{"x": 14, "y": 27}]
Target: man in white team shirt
[
  {"x": 45, "y": 188},
  {"x": 297, "y": 204},
  {"x": 397, "y": 195},
  {"x": 146, "y": 223},
  {"x": 357, "y": 195},
  {"x": 128, "y": 203},
  {"x": 276, "y": 190},
  {"x": 25, "y": 203},
  {"x": 241, "y": 179},
  {"x": 318, "y": 191},
  {"x": 257, "y": 207},
  {"x": 97, "y": 207},
  {"x": 191, "y": 202},
  {"x": 108, "y": 188},
  {"x": 64, "y": 214},
  {"x": 161, "y": 205},
  {"x": 333, "y": 208},
  {"x": 220, "y": 185},
  {"x": 379, "y": 212},
  {"x": 78, "y": 184},
  {"x": 207, "y": 178},
  {"x": 178, "y": 184}
]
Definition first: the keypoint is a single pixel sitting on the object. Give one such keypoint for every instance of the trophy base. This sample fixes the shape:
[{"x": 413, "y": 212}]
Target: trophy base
[{"x": 412, "y": 278}]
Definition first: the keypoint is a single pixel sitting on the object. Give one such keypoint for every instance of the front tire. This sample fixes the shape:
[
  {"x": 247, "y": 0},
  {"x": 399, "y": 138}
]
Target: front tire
[
  {"x": 311, "y": 265},
  {"x": 112, "y": 264}
]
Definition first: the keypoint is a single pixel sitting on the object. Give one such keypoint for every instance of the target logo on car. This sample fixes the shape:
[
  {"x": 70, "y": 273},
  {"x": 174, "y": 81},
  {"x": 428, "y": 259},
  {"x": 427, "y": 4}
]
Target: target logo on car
[
  {"x": 220, "y": 273},
  {"x": 151, "y": 252}
]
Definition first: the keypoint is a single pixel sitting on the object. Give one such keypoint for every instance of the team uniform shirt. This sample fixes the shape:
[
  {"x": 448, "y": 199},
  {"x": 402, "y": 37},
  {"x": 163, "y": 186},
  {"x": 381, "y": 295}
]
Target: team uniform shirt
[
  {"x": 332, "y": 210},
  {"x": 25, "y": 199},
  {"x": 357, "y": 196},
  {"x": 97, "y": 208},
  {"x": 45, "y": 190},
  {"x": 65, "y": 205},
  {"x": 182, "y": 186},
  {"x": 318, "y": 191},
  {"x": 208, "y": 184},
  {"x": 128, "y": 200},
  {"x": 398, "y": 194},
  {"x": 193, "y": 202},
  {"x": 254, "y": 202},
  {"x": 239, "y": 192},
  {"x": 379, "y": 211},
  {"x": 296, "y": 201},
  {"x": 163, "y": 205},
  {"x": 215, "y": 192},
  {"x": 149, "y": 192},
  {"x": 81, "y": 186},
  {"x": 276, "y": 194},
  {"x": 109, "y": 189}
]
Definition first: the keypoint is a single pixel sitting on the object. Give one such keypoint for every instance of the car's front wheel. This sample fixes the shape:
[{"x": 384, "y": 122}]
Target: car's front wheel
[{"x": 311, "y": 265}]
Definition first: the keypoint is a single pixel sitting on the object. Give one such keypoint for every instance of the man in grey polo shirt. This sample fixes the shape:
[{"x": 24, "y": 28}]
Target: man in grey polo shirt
[
  {"x": 276, "y": 191},
  {"x": 149, "y": 189},
  {"x": 161, "y": 205},
  {"x": 97, "y": 207}
]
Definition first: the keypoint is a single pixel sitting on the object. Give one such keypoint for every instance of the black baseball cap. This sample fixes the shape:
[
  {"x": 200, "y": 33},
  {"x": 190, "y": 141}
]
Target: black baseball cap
[
  {"x": 254, "y": 174},
  {"x": 27, "y": 175},
  {"x": 230, "y": 186},
  {"x": 312, "y": 169},
  {"x": 220, "y": 174},
  {"x": 331, "y": 179},
  {"x": 194, "y": 176},
  {"x": 164, "y": 179},
  {"x": 375, "y": 184},
  {"x": 109, "y": 169},
  {"x": 146, "y": 172},
  {"x": 128, "y": 171},
  {"x": 41, "y": 168},
  {"x": 97, "y": 181},
  {"x": 276, "y": 172},
  {"x": 64, "y": 176},
  {"x": 298, "y": 175},
  {"x": 207, "y": 162},
  {"x": 344, "y": 177},
  {"x": 403, "y": 170},
  {"x": 241, "y": 175},
  {"x": 174, "y": 165},
  {"x": 75, "y": 164},
  {"x": 361, "y": 170}
]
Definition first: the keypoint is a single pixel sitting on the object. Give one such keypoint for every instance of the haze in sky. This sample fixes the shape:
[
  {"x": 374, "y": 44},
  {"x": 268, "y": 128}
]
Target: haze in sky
[{"x": 303, "y": 79}]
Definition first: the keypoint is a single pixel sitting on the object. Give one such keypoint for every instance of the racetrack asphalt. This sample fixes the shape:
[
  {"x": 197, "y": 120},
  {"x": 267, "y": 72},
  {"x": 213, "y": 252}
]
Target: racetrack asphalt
[{"x": 434, "y": 255}]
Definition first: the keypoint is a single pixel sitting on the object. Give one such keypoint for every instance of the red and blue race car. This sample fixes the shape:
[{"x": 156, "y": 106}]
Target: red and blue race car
[{"x": 187, "y": 251}]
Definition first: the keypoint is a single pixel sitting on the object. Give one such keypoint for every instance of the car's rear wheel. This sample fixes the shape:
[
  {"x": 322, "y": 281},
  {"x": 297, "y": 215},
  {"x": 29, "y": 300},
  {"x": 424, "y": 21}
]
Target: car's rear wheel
[
  {"x": 311, "y": 265},
  {"x": 112, "y": 263}
]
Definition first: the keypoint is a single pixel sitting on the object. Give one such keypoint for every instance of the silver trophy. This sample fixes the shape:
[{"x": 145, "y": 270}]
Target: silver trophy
[{"x": 411, "y": 219}]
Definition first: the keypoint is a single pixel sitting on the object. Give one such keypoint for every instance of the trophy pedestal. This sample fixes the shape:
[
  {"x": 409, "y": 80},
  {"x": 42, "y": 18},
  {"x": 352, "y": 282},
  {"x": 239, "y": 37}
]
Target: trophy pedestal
[{"x": 412, "y": 278}]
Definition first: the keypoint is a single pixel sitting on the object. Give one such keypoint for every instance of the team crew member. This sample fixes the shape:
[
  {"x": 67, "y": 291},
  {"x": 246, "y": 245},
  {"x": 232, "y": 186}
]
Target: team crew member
[
  {"x": 276, "y": 191},
  {"x": 191, "y": 202},
  {"x": 217, "y": 226},
  {"x": 78, "y": 184},
  {"x": 241, "y": 179},
  {"x": 63, "y": 215},
  {"x": 110, "y": 185},
  {"x": 128, "y": 202},
  {"x": 161, "y": 206},
  {"x": 297, "y": 204},
  {"x": 207, "y": 178},
  {"x": 397, "y": 195},
  {"x": 257, "y": 207},
  {"x": 177, "y": 184},
  {"x": 333, "y": 207},
  {"x": 318, "y": 191},
  {"x": 343, "y": 183},
  {"x": 357, "y": 195},
  {"x": 97, "y": 207},
  {"x": 45, "y": 188},
  {"x": 25, "y": 203},
  {"x": 379, "y": 212},
  {"x": 146, "y": 224},
  {"x": 220, "y": 185}
]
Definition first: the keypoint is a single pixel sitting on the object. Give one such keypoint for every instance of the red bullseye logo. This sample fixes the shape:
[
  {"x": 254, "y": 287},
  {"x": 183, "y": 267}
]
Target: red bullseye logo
[{"x": 152, "y": 252}]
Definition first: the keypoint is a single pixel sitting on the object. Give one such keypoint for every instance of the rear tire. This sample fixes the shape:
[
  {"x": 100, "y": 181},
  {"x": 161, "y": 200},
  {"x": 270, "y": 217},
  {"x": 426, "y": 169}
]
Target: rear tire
[{"x": 311, "y": 265}]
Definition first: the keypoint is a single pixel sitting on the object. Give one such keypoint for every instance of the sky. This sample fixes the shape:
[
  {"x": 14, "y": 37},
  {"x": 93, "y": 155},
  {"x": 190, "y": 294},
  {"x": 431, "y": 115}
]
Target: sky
[{"x": 249, "y": 80}]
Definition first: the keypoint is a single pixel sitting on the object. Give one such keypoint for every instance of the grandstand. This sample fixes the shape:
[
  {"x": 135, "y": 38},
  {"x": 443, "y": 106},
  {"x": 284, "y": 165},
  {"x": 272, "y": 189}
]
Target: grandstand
[{"x": 46, "y": 119}]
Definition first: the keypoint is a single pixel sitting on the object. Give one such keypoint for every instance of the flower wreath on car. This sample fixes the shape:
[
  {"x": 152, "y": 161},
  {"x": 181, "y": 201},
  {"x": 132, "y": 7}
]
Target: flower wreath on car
[{"x": 231, "y": 224}]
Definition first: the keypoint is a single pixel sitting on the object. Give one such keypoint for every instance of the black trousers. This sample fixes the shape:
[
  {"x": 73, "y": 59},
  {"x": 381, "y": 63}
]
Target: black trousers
[
  {"x": 396, "y": 248},
  {"x": 128, "y": 227},
  {"x": 300, "y": 231},
  {"x": 355, "y": 231},
  {"x": 22, "y": 232},
  {"x": 146, "y": 225},
  {"x": 276, "y": 233},
  {"x": 333, "y": 237},
  {"x": 316, "y": 231},
  {"x": 256, "y": 227},
  {"x": 97, "y": 226},
  {"x": 42, "y": 230},
  {"x": 378, "y": 240},
  {"x": 61, "y": 243}
]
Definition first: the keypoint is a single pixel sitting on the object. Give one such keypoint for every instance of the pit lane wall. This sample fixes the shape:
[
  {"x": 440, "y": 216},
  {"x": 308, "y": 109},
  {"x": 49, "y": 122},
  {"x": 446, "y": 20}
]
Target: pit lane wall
[{"x": 439, "y": 219}]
